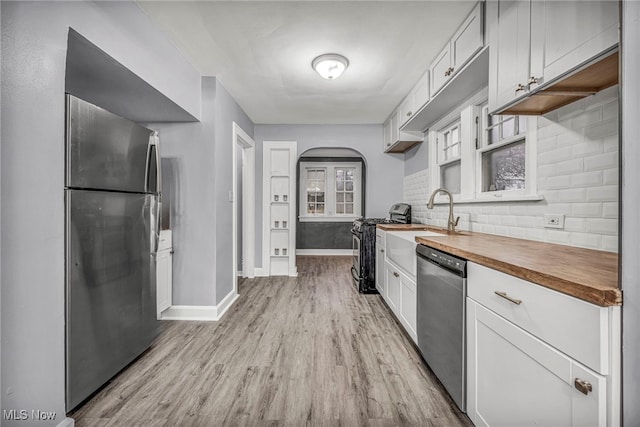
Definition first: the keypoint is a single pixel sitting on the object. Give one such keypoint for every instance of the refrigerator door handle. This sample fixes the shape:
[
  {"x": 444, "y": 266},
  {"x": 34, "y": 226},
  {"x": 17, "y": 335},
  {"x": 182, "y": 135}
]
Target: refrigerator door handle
[
  {"x": 155, "y": 142},
  {"x": 147, "y": 165}
]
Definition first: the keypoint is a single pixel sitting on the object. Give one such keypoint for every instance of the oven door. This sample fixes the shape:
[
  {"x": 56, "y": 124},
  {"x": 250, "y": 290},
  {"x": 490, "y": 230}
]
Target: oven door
[{"x": 355, "y": 269}]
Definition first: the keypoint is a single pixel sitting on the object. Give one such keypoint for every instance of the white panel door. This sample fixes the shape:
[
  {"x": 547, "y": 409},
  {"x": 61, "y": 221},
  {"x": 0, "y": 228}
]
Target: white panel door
[
  {"x": 163, "y": 280},
  {"x": 380, "y": 273},
  {"x": 408, "y": 306},
  {"x": 468, "y": 39},
  {"x": 439, "y": 71},
  {"x": 565, "y": 34},
  {"x": 509, "y": 53},
  {"x": 516, "y": 379},
  {"x": 393, "y": 288}
]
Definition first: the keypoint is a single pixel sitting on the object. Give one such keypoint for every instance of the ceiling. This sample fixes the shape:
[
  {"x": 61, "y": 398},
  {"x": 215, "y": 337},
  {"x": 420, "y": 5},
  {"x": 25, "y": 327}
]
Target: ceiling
[{"x": 262, "y": 51}]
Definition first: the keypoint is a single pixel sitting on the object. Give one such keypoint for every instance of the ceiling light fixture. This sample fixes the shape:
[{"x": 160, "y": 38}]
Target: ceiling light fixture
[{"x": 330, "y": 65}]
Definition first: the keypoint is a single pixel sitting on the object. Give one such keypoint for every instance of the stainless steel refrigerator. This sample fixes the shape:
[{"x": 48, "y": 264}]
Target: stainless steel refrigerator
[{"x": 112, "y": 222}]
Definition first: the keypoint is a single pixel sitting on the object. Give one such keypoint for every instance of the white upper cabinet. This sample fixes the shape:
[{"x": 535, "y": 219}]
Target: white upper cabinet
[
  {"x": 509, "y": 51},
  {"x": 535, "y": 44},
  {"x": 463, "y": 45},
  {"x": 565, "y": 34},
  {"x": 420, "y": 93},
  {"x": 386, "y": 140}
]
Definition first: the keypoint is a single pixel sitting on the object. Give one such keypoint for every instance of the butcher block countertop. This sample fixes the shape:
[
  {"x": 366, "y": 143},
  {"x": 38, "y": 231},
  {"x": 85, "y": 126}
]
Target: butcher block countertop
[
  {"x": 400, "y": 227},
  {"x": 586, "y": 274}
]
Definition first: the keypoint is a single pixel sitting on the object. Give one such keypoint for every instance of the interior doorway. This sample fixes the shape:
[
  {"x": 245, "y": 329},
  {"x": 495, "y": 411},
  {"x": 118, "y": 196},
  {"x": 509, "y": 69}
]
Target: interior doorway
[{"x": 243, "y": 201}]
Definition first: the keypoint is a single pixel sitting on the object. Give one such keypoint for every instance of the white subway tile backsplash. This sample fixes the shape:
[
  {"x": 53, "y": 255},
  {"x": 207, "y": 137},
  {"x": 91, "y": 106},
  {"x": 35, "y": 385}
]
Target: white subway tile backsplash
[
  {"x": 587, "y": 179},
  {"x": 604, "y": 193},
  {"x": 577, "y": 175},
  {"x": 601, "y": 161}
]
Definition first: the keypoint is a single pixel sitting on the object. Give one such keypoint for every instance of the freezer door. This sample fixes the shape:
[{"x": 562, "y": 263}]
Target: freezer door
[
  {"x": 104, "y": 151},
  {"x": 110, "y": 287}
]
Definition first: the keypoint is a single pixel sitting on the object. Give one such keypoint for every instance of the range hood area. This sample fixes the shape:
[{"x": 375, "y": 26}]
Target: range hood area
[{"x": 580, "y": 83}]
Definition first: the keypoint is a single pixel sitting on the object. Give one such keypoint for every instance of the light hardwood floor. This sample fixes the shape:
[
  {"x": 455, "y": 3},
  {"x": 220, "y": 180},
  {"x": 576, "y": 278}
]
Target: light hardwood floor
[{"x": 291, "y": 351}]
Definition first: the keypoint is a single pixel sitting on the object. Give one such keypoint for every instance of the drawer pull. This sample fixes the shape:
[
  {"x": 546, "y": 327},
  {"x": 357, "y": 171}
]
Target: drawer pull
[
  {"x": 396, "y": 274},
  {"x": 583, "y": 386},
  {"x": 507, "y": 297}
]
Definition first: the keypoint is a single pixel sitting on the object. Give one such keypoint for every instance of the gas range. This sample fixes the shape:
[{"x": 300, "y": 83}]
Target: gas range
[{"x": 364, "y": 245}]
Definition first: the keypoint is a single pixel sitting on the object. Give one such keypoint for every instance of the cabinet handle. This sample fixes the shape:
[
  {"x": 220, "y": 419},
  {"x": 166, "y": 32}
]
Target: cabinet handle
[
  {"x": 448, "y": 72},
  {"x": 507, "y": 297},
  {"x": 381, "y": 250},
  {"x": 396, "y": 274},
  {"x": 583, "y": 386},
  {"x": 533, "y": 80},
  {"x": 520, "y": 88},
  {"x": 409, "y": 114}
]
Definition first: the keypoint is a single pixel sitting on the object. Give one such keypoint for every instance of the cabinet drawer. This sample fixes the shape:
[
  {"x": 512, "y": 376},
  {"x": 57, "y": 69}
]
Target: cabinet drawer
[
  {"x": 380, "y": 237},
  {"x": 555, "y": 318}
]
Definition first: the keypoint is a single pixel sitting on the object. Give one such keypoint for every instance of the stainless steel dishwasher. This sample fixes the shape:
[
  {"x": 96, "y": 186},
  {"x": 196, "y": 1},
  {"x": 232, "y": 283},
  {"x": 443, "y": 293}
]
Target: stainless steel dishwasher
[{"x": 442, "y": 289}]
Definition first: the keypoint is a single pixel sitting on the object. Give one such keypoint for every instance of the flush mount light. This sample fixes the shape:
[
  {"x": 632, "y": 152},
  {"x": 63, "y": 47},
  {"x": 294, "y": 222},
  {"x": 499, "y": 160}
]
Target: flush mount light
[{"x": 330, "y": 65}]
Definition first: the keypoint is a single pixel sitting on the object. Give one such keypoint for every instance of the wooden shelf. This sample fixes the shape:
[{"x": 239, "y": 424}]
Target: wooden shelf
[
  {"x": 586, "y": 81},
  {"x": 469, "y": 80},
  {"x": 402, "y": 146}
]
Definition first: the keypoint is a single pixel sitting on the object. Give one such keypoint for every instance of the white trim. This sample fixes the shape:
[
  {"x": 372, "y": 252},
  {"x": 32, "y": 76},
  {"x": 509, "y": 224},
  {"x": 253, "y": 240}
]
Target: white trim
[
  {"x": 241, "y": 139},
  {"x": 67, "y": 422},
  {"x": 202, "y": 313},
  {"x": 260, "y": 272},
  {"x": 325, "y": 252}
]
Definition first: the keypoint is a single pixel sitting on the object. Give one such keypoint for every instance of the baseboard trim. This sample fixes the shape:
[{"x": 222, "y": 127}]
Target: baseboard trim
[
  {"x": 260, "y": 272},
  {"x": 67, "y": 422},
  {"x": 200, "y": 313},
  {"x": 324, "y": 252}
]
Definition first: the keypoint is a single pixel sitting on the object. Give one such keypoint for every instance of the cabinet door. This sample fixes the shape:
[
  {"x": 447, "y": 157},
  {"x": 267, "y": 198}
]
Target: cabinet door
[
  {"x": 408, "y": 306},
  {"x": 163, "y": 280},
  {"x": 467, "y": 40},
  {"x": 509, "y": 53},
  {"x": 516, "y": 379},
  {"x": 439, "y": 71},
  {"x": 566, "y": 34},
  {"x": 395, "y": 127},
  {"x": 393, "y": 288},
  {"x": 405, "y": 110},
  {"x": 420, "y": 93},
  {"x": 386, "y": 143},
  {"x": 380, "y": 273}
]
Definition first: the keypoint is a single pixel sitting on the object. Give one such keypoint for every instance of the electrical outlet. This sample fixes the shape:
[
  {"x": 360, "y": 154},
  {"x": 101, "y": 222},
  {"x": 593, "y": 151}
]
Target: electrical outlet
[{"x": 554, "y": 221}]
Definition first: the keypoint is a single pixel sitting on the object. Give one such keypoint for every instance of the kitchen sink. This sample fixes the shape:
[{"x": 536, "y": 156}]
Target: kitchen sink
[{"x": 401, "y": 248}]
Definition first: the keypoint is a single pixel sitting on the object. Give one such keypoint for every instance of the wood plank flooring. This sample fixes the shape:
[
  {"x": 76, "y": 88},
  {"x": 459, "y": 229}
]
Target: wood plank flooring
[{"x": 291, "y": 351}]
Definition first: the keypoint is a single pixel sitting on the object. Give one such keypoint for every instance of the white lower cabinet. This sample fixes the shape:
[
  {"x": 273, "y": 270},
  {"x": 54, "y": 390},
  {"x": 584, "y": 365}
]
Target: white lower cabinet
[
  {"x": 516, "y": 379},
  {"x": 537, "y": 357},
  {"x": 164, "y": 272},
  {"x": 393, "y": 288},
  {"x": 408, "y": 303}
]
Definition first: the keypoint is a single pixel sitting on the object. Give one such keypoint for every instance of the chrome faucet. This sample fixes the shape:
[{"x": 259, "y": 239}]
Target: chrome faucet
[{"x": 451, "y": 224}]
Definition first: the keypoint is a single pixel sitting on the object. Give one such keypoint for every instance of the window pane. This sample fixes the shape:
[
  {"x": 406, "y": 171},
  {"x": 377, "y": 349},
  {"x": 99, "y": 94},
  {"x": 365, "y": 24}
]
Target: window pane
[
  {"x": 339, "y": 174},
  {"x": 340, "y": 186},
  {"x": 350, "y": 174},
  {"x": 320, "y": 197},
  {"x": 504, "y": 168},
  {"x": 339, "y": 197},
  {"x": 320, "y": 208},
  {"x": 450, "y": 177},
  {"x": 348, "y": 197},
  {"x": 508, "y": 128},
  {"x": 455, "y": 151},
  {"x": 494, "y": 135},
  {"x": 311, "y": 197},
  {"x": 522, "y": 124},
  {"x": 340, "y": 208},
  {"x": 311, "y": 208},
  {"x": 455, "y": 135},
  {"x": 349, "y": 186},
  {"x": 348, "y": 208}
]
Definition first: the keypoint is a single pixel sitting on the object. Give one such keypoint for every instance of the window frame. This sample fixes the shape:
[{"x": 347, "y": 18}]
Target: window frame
[
  {"x": 474, "y": 119},
  {"x": 330, "y": 200}
]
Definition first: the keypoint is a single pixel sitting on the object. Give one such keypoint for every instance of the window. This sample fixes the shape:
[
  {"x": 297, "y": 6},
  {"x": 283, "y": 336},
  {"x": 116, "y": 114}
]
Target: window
[
  {"x": 449, "y": 143},
  {"x": 315, "y": 191},
  {"x": 504, "y": 158},
  {"x": 479, "y": 158},
  {"x": 330, "y": 191}
]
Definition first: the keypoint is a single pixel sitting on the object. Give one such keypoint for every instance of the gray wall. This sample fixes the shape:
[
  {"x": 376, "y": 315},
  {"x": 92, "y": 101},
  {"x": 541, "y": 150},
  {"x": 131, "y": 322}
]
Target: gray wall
[
  {"x": 384, "y": 171},
  {"x": 202, "y": 234},
  {"x": 34, "y": 40},
  {"x": 227, "y": 112},
  {"x": 630, "y": 197},
  {"x": 416, "y": 159},
  {"x": 191, "y": 145},
  {"x": 323, "y": 235}
]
